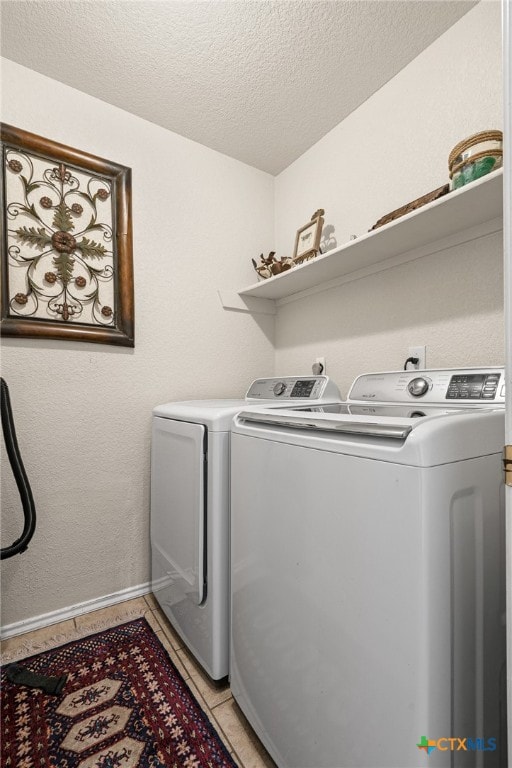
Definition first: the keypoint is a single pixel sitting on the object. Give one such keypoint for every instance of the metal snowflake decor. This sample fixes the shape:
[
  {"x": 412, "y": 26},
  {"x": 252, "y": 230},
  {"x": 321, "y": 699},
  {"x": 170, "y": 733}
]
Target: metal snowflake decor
[
  {"x": 62, "y": 273},
  {"x": 66, "y": 243}
]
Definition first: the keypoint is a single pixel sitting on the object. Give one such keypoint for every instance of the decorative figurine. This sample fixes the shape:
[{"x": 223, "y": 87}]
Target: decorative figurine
[{"x": 270, "y": 266}]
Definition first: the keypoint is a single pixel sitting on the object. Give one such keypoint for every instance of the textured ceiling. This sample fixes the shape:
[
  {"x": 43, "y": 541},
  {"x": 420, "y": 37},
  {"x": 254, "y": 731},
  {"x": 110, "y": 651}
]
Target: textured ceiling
[{"x": 259, "y": 80}]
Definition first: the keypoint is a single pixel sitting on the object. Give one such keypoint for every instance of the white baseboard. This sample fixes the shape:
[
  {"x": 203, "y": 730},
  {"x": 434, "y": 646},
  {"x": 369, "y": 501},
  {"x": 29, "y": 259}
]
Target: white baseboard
[{"x": 46, "y": 619}]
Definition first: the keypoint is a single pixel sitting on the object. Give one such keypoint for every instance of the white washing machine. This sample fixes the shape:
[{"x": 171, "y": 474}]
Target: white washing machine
[
  {"x": 190, "y": 509},
  {"x": 368, "y": 568}
]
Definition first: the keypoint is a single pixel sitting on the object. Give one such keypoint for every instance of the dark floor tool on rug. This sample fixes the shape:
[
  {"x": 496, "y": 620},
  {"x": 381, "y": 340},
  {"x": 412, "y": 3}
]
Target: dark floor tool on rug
[
  {"x": 125, "y": 704},
  {"x": 21, "y": 676}
]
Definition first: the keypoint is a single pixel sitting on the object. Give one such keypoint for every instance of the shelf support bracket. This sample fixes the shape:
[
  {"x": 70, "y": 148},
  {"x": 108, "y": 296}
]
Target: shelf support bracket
[{"x": 253, "y": 304}]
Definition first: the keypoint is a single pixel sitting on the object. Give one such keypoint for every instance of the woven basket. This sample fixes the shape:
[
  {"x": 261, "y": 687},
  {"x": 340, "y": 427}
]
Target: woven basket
[{"x": 475, "y": 147}]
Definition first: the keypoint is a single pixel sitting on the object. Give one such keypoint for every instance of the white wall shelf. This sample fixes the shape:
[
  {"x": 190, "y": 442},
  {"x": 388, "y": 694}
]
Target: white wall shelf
[{"x": 465, "y": 214}]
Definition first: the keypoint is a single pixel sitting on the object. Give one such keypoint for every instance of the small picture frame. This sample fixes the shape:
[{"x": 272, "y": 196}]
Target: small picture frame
[{"x": 307, "y": 241}]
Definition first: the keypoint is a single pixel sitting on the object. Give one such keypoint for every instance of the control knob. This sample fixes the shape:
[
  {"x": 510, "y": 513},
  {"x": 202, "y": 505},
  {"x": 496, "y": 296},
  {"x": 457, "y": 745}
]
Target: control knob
[
  {"x": 279, "y": 388},
  {"x": 418, "y": 387}
]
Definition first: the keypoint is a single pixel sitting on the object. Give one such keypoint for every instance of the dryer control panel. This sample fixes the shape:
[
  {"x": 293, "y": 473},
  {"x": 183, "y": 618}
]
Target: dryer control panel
[
  {"x": 471, "y": 386},
  {"x": 293, "y": 388}
]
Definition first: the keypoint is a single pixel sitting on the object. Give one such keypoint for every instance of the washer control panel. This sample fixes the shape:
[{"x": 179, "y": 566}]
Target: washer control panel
[
  {"x": 478, "y": 386},
  {"x": 473, "y": 386},
  {"x": 294, "y": 388}
]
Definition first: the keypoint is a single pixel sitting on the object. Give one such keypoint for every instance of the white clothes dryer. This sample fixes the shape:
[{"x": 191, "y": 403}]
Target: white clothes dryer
[
  {"x": 190, "y": 494},
  {"x": 368, "y": 590}
]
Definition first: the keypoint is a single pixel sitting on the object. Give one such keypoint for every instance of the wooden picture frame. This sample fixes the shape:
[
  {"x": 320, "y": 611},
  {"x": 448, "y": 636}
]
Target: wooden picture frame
[
  {"x": 307, "y": 240},
  {"x": 67, "y": 265}
]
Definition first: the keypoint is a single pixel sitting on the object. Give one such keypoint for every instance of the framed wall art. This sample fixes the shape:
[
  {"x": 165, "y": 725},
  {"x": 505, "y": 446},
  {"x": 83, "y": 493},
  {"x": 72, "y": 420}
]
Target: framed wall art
[
  {"x": 67, "y": 269},
  {"x": 307, "y": 240}
]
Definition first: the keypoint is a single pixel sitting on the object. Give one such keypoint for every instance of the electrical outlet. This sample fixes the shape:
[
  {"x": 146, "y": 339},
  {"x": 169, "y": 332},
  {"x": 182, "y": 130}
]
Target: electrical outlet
[
  {"x": 421, "y": 354},
  {"x": 319, "y": 366}
]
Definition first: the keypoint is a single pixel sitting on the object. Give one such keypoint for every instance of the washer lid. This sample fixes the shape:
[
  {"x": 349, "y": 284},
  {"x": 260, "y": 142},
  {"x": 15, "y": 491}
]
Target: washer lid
[
  {"x": 414, "y": 411},
  {"x": 392, "y": 421},
  {"x": 414, "y": 436}
]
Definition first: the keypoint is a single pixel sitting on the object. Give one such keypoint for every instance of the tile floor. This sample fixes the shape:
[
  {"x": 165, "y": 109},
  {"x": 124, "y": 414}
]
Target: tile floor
[{"x": 216, "y": 701}]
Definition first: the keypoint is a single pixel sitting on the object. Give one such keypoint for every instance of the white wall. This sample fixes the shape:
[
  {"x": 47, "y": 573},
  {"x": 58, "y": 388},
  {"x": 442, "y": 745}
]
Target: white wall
[
  {"x": 82, "y": 411},
  {"x": 391, "y": 150}
]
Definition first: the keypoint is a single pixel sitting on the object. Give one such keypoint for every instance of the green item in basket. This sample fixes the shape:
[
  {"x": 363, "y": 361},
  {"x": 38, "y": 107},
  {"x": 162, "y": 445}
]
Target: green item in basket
[{"x": 473, "y": 171}]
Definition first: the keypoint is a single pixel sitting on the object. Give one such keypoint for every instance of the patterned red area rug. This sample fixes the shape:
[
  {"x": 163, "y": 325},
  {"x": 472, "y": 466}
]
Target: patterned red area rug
[{"x": 124, "y": 705}]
